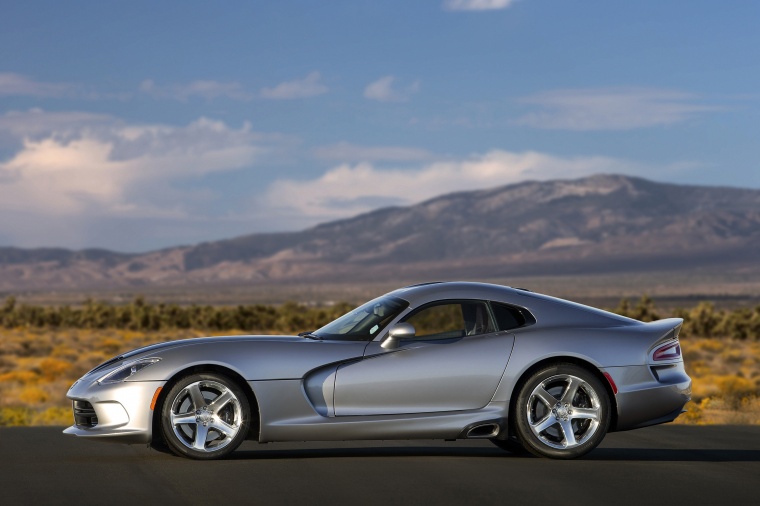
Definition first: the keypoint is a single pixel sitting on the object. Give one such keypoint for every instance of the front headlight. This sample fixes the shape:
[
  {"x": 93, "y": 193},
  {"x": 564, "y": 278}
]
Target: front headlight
[{"x": 127, "y": 370}]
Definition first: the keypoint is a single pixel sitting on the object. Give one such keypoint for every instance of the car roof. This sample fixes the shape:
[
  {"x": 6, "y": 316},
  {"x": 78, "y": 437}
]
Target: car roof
[
  {"x": 438, "y": 290},
  {"x": 539, "y": 304}
]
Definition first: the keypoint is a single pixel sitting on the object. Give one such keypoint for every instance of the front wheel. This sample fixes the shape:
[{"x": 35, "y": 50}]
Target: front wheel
[
  {"x": 562, "y": 412},
  {"x": 205, "y": 416}
]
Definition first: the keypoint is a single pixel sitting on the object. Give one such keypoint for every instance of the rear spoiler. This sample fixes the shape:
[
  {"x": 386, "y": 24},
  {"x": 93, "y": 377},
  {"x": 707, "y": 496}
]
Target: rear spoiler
[{"x": 664, "y": 330}]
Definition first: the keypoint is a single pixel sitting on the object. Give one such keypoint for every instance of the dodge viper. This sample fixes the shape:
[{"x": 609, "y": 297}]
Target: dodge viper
[{"x": 445, "y": 360}]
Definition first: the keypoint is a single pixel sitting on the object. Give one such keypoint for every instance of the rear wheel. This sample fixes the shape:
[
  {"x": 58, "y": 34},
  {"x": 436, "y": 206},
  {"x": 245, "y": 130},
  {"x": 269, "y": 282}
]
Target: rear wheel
[
  {"x": 562, "y": 412},
  {"x": 205, "y": 416}
]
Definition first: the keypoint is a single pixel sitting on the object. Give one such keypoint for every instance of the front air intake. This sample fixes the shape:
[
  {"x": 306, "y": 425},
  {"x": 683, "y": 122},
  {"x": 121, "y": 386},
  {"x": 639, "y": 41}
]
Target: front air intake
[{"x": 84, "y": 414}]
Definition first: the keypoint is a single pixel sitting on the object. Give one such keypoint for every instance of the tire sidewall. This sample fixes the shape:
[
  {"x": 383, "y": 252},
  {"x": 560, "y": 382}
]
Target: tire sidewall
[
  {"x": 526, "y": 436},
  {"x": 176, "y": 446}
]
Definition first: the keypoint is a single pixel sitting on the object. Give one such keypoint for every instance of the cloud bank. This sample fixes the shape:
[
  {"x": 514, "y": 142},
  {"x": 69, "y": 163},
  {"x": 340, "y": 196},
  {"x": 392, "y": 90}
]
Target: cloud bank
[
  {"x": 309, "y": 86},
  {"x": 76, "y": 177},
  {"x": 383, "y": 90},
  {"x": 476, "y": 5},
  {"x": 100, "y": 166},
  {"x": 347, "y": 152},
  {"x": 350, "y": 189},
  {"x": 17, "y": 84},
  {"x": 611, "y": 109},
  {"x": 206, "y": 89}
]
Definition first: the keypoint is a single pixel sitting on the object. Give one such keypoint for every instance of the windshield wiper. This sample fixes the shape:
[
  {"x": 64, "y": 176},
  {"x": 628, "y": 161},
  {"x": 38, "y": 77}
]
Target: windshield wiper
[{"x": 309, "y": 335}]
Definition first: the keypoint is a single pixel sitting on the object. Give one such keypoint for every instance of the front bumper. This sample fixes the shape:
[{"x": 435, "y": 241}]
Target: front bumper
[{"x": 122, "y": 410}]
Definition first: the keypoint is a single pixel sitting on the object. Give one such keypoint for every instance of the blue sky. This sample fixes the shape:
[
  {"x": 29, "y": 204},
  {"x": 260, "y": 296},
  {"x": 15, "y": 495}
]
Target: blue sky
[{"x": 141, "y": 125}]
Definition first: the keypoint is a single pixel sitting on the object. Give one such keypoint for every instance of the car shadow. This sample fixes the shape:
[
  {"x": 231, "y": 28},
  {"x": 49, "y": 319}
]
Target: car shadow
[
  {"x": 372, "y": 452},
  {"x": 600, "y": 454},
  {"x": 673, "y": 455}
]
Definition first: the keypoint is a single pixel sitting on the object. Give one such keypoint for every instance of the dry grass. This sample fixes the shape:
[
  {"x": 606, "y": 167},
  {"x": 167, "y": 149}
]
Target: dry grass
[
  {"x": 37, "y": 367},
  {"x": 726, "y": 381}
]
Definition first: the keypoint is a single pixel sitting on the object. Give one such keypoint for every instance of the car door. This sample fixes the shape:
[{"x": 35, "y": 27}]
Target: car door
[{"x": 453, "y": 363}]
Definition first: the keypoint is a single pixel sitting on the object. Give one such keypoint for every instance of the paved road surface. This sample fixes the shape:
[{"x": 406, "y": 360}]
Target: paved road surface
[{"x": 657, "y": 465}]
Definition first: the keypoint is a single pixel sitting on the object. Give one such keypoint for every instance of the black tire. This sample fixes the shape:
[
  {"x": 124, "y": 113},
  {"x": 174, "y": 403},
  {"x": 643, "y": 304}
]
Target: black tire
[
  {"x": 562, "y": 412},
  {"x": 185, "y": 416}
]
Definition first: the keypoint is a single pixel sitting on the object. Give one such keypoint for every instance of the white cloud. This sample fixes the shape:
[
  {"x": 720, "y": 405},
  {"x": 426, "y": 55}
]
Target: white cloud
[
  {"x": 17, "y": 84},
  {"x": 611, "y": 108},
  {"x": 476, "y": 5},
  {"x": 104, "y": 167},
  {"x": 309, "y": 86},
  {"x": 207, "y": 89},
  {"x": 347, "y": 189},
  {"x": 382, "y": 90},
  {"x": 36, "y": 122},
  {"x": 347, "y": 152},
  {"x": 12, "y": 84}
]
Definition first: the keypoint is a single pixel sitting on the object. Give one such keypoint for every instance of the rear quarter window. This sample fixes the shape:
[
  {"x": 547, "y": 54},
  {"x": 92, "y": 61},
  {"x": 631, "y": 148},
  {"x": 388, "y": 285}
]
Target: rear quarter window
[{"x": 510, "y": 317}]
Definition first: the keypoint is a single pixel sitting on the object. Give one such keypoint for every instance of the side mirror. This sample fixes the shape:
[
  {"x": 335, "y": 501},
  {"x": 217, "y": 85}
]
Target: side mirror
[{"x": 396, "y": 334}]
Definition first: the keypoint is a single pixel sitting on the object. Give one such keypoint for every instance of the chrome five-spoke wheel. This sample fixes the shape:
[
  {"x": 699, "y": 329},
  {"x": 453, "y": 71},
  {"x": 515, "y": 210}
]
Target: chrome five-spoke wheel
[
  {"x": 205, "y": 416},
  {"x": 563, "y": 412}
]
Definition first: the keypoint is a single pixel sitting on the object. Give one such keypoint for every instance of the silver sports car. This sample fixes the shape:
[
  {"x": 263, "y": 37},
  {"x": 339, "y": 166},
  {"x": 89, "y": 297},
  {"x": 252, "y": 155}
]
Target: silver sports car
[{"x": 432, "y": 361}]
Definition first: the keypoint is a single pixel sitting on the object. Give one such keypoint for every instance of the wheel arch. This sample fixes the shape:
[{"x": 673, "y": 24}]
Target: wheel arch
[
  {"x": 564, "y": 359},
  {"x": 253, "y": 431}
]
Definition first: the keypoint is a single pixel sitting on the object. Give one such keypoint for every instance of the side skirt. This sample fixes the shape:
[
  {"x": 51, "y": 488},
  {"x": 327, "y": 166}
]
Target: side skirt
[{"x": 287, "y": 415}]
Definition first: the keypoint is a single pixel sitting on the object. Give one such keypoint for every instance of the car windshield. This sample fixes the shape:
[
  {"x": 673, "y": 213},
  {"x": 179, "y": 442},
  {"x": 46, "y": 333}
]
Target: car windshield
[{"x": 364, "y": 322}]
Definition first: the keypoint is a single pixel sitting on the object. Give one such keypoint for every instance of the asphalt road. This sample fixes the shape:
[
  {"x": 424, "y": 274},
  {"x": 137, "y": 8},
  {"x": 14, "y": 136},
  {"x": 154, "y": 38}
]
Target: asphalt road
[{"x": 657, "y": 465}]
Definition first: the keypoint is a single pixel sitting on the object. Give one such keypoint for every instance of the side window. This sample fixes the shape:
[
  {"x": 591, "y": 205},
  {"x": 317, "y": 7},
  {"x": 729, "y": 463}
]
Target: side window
[
  {"x": 451, "y": 320},
  {"x": 507, "y": 317}
]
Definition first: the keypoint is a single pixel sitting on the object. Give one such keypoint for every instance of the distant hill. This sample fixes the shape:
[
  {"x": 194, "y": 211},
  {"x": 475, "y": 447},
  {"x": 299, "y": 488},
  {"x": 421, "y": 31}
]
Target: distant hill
[{"x": 602, "y": 223}]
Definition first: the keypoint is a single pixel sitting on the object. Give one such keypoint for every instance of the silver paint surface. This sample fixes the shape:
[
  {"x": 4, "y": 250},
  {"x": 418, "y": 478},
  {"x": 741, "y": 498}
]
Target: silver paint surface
[{"x": 307, "y": 389}]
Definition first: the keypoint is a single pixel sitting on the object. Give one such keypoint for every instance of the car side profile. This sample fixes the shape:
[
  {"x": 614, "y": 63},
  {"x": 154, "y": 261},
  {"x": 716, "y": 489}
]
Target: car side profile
[{"x": 444, "y": 360}]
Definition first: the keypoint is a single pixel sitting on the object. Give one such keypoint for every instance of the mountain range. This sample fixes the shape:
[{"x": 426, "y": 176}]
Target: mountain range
[{"x": 597, "y": 224}]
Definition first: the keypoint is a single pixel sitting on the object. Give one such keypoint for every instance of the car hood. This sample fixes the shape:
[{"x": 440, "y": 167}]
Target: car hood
[
  {"x": 251, "y": 357},
  {"x": 202, "y": 340},
  {"x": 168, "y": 345}
]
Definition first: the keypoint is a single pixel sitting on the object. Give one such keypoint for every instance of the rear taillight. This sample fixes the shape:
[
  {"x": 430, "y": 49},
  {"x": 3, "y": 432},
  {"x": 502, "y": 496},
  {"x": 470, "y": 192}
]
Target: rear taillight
[{"x": 668, "y": 351}]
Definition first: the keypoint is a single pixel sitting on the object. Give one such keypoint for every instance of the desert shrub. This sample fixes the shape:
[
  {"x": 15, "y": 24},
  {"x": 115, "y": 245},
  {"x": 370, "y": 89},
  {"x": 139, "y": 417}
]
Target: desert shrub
[
  {"x": 645, "y": 310},
  {"x": 15, "y": 416},
  {"x": 6, "y": 364},
  {"x": 25, "y": 377},
  {"x": 51, "y": 416},
  {"x": 54, "y": 368},
  {"x": 111, "y": 345},
  {"x": 33, "y": 395},
  {"x": 65, "y": 352},
  {"x": 22, "y": 416},
  {"x": 44, "y": 349},
  {"x": 740, "y": 324},
  {"x": 709, "y": 345},
  {"x": 703, "y": 320},
  {"x": 732, "y": 356},
  {"x": 735, "y": 388},
  {"x": 695, "y": 412},
  {"x": 140, "y": 315}
]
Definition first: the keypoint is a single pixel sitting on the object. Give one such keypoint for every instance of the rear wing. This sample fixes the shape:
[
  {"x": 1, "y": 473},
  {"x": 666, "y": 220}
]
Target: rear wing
[
  {"x": 665, "y": 327},
  {"x": 665, "y": 346}
]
